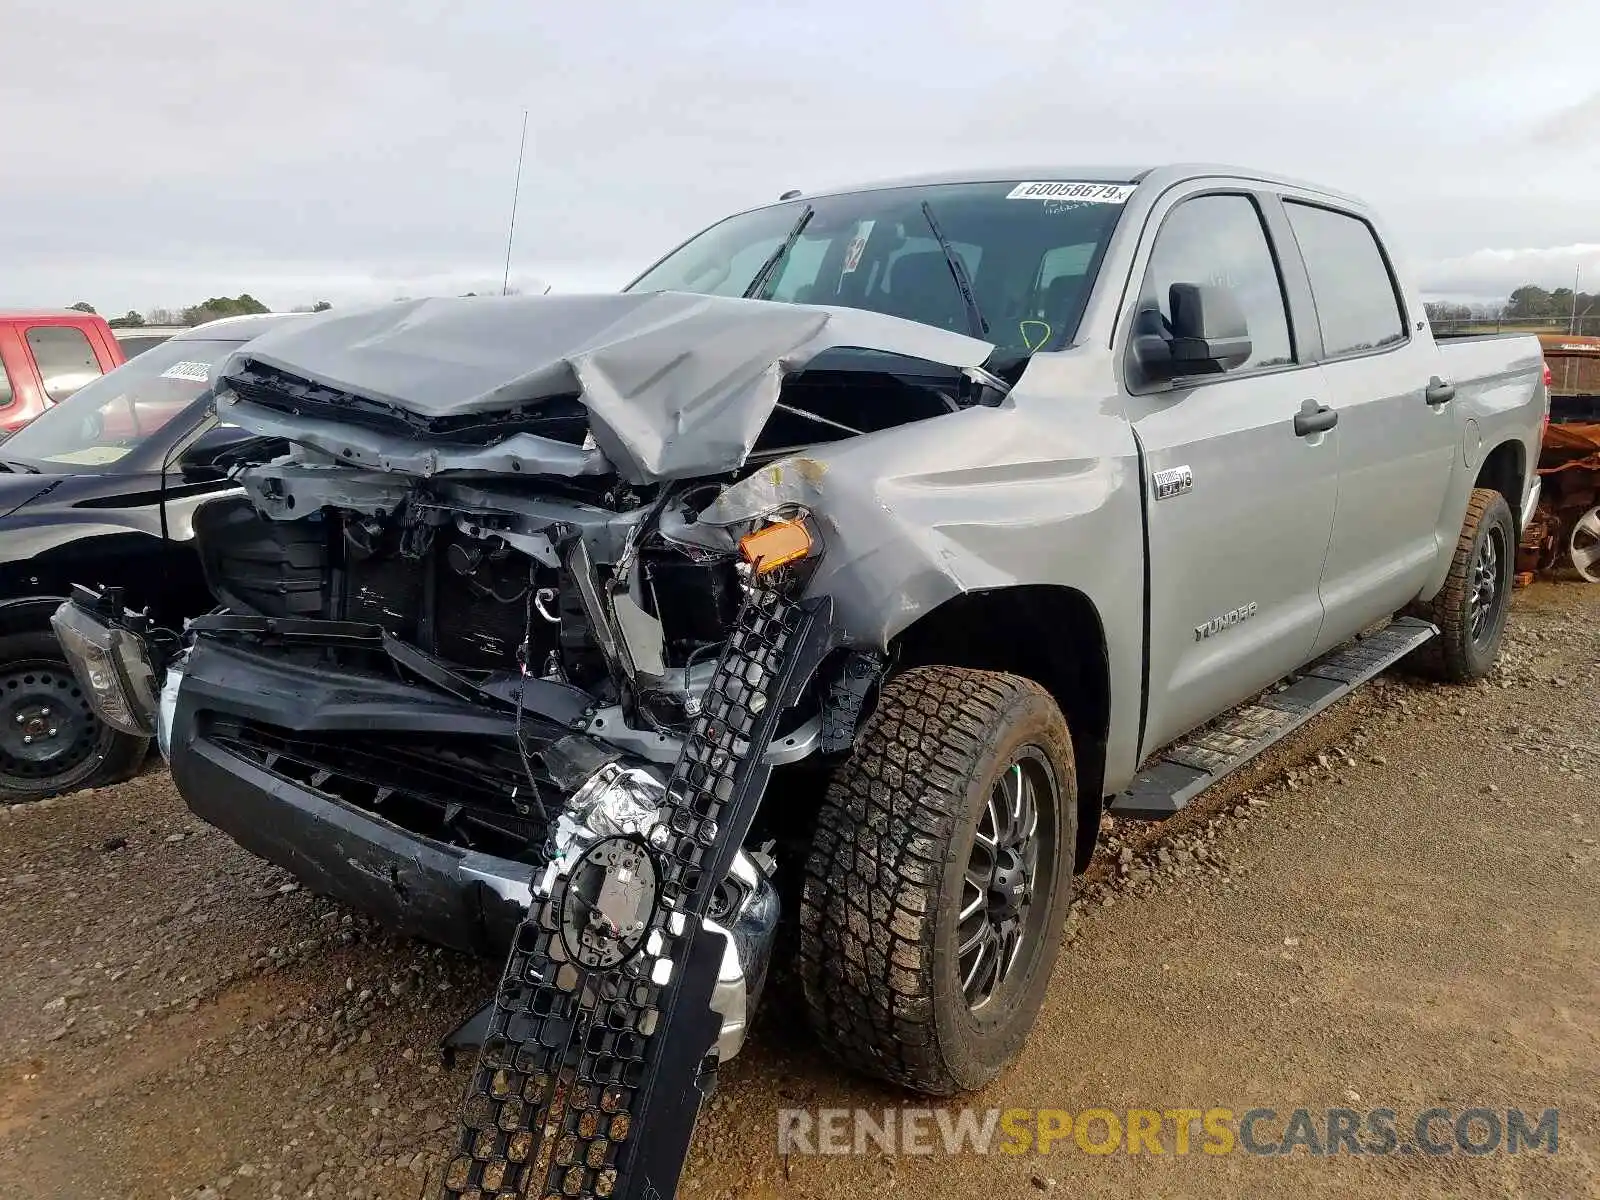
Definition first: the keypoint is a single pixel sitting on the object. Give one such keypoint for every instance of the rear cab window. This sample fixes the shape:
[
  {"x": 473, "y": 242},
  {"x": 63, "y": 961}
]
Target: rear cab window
[
  {"x": 1357, "y": 300},
  {"x": 65, "y": 358}
]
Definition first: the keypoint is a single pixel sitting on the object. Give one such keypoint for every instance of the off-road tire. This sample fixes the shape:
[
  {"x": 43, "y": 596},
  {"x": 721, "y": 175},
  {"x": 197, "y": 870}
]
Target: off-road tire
[
  {"x": 1454, "y": 656},
  {"x": 878, "y": 910},
  {"x": 107, "y": 756}
]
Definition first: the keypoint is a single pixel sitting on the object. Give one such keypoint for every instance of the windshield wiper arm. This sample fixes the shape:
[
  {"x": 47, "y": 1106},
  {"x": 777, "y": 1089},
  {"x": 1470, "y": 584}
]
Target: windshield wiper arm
[
  {"x": 759, "y": 283},
  {"x": 19, "y": 467},
  {"x": 958, "y": 272}
]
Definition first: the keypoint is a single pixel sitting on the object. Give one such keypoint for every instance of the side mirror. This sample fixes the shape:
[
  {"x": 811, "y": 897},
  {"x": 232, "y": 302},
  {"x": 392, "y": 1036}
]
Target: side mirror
[
  {"x": 1209, "y": 332},
  {"x": 221, "y": 448}
]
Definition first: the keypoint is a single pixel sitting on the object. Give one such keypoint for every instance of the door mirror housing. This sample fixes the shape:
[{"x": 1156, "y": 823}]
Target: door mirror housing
[
  {"x": 212, "y": 456},
  {"x": 1208, "y": 327},
  {"x": 1207, "y": 334}
]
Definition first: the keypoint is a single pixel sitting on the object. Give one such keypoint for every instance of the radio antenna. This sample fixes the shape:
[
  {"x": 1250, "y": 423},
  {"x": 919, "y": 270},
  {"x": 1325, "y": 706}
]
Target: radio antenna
[{"x": 516, "y": 188}]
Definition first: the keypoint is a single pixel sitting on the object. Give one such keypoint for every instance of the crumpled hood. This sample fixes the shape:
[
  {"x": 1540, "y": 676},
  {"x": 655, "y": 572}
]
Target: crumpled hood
[{"x": 676, "y": 385}]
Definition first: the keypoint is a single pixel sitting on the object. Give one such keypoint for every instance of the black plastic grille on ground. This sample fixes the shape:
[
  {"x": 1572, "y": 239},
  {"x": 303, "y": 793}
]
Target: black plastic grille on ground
[{"x": 558, "y": 1104}]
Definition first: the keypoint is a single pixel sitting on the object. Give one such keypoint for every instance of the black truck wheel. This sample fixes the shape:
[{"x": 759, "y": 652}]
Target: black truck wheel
[
  {"x": 50, "y": 739},
  {"x": 938, "y": 881},
  {"x": 1470, "y": 610}
]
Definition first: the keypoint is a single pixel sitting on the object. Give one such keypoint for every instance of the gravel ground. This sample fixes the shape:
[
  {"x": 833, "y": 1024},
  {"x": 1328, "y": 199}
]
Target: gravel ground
[{"x": 1394, "y": 909}]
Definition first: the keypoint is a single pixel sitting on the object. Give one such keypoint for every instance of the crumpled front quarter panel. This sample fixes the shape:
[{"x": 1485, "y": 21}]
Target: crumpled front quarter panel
[{"x": 1043, "y": 489}]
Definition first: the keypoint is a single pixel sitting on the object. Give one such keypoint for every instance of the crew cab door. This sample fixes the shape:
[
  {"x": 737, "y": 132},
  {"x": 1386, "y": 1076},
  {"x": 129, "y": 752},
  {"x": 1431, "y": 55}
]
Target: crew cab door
[
  {"x": 1399, "y": 426},
  {"x": 1238, "y": 525}
]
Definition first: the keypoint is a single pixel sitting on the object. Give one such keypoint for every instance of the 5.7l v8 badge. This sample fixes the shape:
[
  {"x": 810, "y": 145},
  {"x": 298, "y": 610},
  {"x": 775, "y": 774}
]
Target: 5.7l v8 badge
[{"x": 1174, "y": 481}]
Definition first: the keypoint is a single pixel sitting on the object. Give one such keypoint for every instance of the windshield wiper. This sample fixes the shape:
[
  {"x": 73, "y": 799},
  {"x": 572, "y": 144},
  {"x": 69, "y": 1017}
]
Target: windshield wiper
[
  {"x": 958, "y": 271},
  {"x": 759, "y": 283},
  {"x": 19, "y": 467}
]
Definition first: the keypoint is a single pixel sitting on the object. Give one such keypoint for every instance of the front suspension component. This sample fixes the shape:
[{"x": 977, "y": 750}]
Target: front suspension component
[{"x": 600, "y": 1047}]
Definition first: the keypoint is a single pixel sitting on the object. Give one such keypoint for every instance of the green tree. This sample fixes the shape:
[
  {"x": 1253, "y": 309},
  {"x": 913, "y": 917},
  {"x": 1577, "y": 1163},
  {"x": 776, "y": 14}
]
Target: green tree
[
  {"x": 1529, "y": 300},
  {"x": 218, "y": 307},
  {"x": 128, "y": 320},
  {"x": 82, "y": 306}
]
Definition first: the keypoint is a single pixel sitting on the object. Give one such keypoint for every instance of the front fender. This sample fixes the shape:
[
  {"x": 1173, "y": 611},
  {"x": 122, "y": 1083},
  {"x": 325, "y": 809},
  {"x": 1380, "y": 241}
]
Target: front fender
[{"x": 1043, "y": 489}]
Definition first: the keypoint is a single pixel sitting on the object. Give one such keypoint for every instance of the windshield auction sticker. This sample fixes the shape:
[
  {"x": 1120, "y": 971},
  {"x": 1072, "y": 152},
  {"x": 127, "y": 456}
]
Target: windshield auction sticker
[
  {"x": 195, "y": 372},
  {"x": 1084, "y": 193}
]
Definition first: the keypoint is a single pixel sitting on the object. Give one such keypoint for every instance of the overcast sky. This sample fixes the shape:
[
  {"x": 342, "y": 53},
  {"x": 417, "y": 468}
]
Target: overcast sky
[{"x": 161, "y": 152}]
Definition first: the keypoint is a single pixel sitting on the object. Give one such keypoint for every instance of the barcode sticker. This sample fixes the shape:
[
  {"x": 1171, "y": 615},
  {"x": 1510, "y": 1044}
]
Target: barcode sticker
[
  {"x": 1084, "y": 193},
  {"x": 197, "y": 372}
]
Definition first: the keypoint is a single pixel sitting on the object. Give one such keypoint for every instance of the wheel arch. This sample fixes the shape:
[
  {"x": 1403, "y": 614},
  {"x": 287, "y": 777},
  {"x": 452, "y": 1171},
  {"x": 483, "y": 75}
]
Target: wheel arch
[
  {"x": 28, "y": 614},
  {"x": 1505, "y": 470},
  {"x": 1048, "y": 633}
]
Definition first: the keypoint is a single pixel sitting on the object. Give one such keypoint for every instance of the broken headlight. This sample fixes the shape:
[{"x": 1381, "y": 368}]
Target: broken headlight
[
  {"x": 787, "y": 537},
  {"x": 167, "y": 708},
  {"x": 112, "y": 664}
]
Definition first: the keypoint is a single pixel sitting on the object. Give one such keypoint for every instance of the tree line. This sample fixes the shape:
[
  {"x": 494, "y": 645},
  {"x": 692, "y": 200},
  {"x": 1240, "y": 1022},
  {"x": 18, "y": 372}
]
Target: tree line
[
  {"x": 213, "y": 309},
  {"x": 1529, "y": 303}
]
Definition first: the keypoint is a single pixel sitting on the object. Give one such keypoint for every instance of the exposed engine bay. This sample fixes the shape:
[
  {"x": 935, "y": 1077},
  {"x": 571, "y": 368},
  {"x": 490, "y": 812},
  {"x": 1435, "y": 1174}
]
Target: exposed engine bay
[
  {"x": 497, "y": 599},
  {"x": 554, "y": 622}
]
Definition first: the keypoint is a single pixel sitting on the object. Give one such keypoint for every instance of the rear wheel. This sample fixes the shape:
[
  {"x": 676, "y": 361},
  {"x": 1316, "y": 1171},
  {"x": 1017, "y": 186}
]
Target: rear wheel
[
  {"x": 938, "y": 880},
  {"x": 1470, "y": 610},
  {"x": 50, "y": 739}
]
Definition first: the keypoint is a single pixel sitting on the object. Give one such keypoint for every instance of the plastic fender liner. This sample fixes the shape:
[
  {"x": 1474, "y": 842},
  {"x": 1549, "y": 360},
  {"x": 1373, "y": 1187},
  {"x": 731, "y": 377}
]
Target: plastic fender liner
[{"x": 616, "y": 1058}]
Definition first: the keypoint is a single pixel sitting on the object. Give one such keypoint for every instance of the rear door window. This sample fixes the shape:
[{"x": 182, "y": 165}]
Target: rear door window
[
  {"x": 65, "y": 359},
  {"x": 1358, "y": 305}
]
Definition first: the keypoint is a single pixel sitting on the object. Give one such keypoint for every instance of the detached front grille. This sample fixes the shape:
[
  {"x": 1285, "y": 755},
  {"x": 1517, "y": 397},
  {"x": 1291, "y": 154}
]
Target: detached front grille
[{"x": 467, "y": 794}]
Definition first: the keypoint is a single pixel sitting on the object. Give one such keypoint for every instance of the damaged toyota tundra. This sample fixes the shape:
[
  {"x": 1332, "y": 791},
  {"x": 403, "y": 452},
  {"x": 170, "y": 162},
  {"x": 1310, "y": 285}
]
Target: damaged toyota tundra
[{"x": 837, "y": 575}]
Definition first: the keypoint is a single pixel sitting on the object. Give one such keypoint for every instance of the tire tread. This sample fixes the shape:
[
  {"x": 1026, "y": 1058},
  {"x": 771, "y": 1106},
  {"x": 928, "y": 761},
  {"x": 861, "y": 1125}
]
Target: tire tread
[
  {"x": 1446, "y": 657},
  {"x": 870, "y": 893}
]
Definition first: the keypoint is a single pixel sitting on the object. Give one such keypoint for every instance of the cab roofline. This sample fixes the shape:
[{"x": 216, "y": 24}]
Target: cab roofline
[{"x": 1159, "y": 177}]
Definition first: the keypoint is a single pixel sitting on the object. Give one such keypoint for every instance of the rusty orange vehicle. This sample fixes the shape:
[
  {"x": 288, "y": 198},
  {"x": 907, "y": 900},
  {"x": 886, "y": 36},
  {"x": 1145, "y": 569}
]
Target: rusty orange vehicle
[{"x": 1565, "y": 530}]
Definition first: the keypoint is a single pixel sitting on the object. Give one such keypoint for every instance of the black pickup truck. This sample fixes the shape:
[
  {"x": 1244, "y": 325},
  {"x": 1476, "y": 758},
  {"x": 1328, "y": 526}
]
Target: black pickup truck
[{"x": 102, "y": 486}]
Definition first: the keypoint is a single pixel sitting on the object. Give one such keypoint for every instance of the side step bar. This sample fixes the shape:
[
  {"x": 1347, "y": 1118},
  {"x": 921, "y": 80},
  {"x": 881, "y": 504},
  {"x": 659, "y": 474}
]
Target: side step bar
[{"x": 1187, "y": 768}]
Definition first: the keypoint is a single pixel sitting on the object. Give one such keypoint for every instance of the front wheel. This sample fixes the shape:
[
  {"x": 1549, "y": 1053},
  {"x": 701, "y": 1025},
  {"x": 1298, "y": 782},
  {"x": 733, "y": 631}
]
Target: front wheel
[
  {"x": 50, "y": 740},
  {"x": 1470, "y": 610},
  {"x": 938, "y": 881}
]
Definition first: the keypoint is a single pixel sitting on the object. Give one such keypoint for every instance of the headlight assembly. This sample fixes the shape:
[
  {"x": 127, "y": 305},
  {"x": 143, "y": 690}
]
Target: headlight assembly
[{"x": 113, "y": 667}]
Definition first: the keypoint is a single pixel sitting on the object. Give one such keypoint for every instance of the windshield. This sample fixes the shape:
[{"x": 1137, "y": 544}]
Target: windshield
[
  {"x": 105, "y": 421},
  {"x": 1030, "y": 250}
]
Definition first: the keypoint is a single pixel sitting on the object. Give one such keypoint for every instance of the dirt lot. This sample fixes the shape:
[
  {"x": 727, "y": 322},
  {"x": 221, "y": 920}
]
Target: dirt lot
[{"x": 1398, "y": 909}]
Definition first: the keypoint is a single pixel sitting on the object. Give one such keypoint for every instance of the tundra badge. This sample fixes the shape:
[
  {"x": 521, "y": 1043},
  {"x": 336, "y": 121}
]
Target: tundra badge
[
  {"x": 1174, "y": 481},
  {"x": 1226, "y": 621}
]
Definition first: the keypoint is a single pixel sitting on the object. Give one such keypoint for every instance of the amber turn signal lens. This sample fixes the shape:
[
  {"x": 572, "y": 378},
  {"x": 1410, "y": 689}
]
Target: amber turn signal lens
[{"x": 776, "y": 545}]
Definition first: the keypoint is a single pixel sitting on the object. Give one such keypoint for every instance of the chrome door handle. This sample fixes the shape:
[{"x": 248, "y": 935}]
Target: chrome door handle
[
  {"x": 1314, "y": 418},
  {"x": 1439, "y": 392}
]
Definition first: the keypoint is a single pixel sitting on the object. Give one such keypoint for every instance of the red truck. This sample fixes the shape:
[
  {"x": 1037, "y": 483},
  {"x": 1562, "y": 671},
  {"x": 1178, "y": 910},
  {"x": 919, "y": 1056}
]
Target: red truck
[{"x": 46, "y": 356}]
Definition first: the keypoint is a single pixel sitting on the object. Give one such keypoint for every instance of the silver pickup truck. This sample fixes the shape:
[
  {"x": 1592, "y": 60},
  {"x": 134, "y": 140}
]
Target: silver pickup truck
[{"x": 850, "y": 564}]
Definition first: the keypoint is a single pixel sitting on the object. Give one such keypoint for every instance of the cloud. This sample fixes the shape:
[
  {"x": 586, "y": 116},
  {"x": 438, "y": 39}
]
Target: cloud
[
  {"x": 1493, "y": 274},
  {"x": 303, "y": 147}
]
